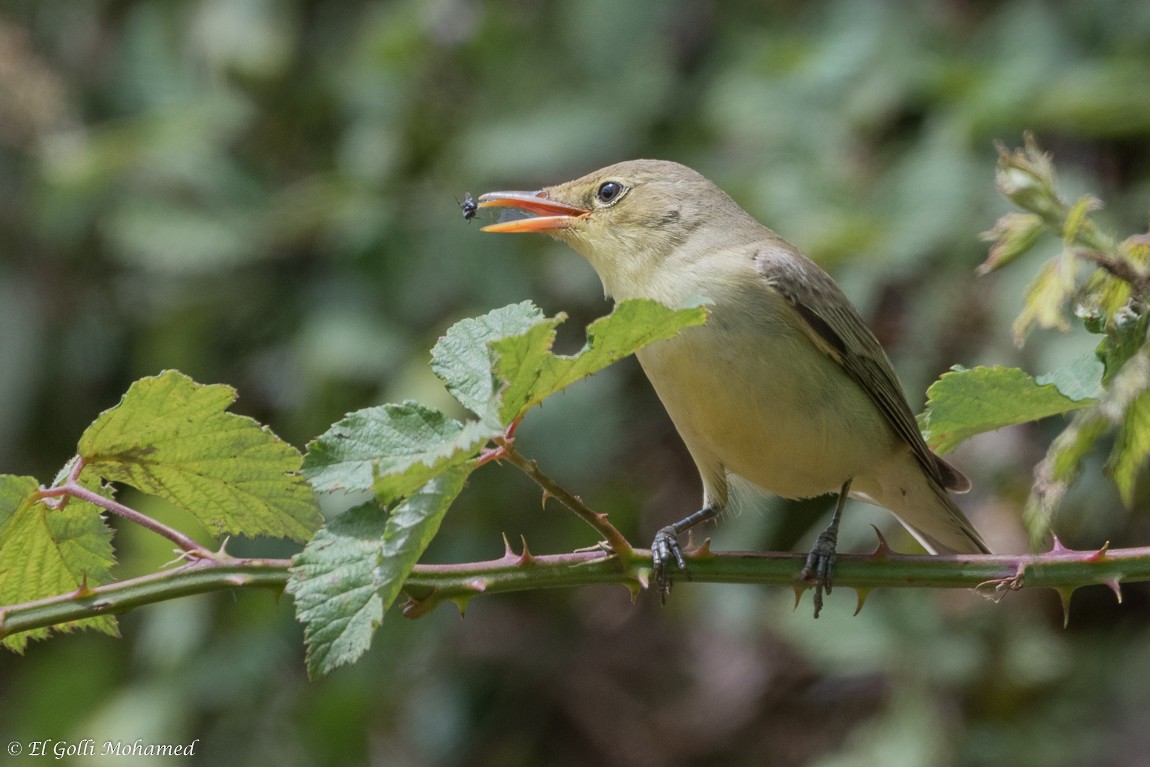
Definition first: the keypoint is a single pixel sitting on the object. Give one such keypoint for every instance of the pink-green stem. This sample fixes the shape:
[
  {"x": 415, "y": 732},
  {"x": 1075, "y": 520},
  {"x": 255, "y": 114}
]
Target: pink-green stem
[{"x": 72, "y": 489}]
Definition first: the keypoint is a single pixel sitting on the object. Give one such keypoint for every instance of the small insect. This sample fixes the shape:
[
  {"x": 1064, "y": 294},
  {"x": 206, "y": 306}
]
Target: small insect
[{"x": 469, "y": 206}]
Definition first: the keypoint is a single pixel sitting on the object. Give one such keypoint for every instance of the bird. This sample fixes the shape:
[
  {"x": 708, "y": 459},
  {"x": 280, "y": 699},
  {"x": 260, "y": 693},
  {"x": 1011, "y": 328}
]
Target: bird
[{"x": 784, "y": 386}]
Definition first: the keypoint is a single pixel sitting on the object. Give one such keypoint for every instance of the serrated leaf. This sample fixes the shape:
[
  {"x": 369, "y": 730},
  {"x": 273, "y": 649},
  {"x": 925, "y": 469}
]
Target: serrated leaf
[
  {"x": 1081, "y": 380},
  {"x": 532, "y": 372},
  {"x": 964, "y": 402},
  {"x": 336, "y": 591},
  {"x": 1132, "y": 447},
  {"x": 411, "y": 526},
  {"x": 1046, "y": 297},
  {"x": 350, "y": 573},
  {"x": 171, "y": 437},
  {"x": 391, "y": 450},
  {"x": 46, "y": 551},
  {"x": 462, "y": 359}
]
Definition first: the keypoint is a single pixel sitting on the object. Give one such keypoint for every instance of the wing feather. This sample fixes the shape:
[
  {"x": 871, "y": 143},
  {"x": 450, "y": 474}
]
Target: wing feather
[{"x": 836, "y": 327}]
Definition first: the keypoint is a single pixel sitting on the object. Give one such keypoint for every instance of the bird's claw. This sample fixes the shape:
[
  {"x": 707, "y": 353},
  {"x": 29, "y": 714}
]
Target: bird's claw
[
  {"x": 820, "y": 566},
  {"x": 665, "y": 548}
]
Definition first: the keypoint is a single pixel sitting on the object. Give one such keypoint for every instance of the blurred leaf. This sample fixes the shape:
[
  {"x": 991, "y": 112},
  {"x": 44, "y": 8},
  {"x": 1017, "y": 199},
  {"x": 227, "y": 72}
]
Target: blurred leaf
[
  {"x": 1055, "y": 473},
  {"x": 964, "y": 402},
  {"x": 533, "y": 372},
  {"x": 1012, "y": 236},
  {"x": 46, "y": 551},
  {"x": 1136, "y": 249},
  {"x": 1077, "y": 217},
  {"x": 1104, "y": 300},
  {"x": 1132, "y": 447},
  {"x": 1047, "y": 296},
  {"x": 354, "y": 568},
  {"x": 391, "y": 450},
  {"x": 1026, "y": 178},
  {"x": 178, "y": 238},
  {"x": 1125, "y": 336},
  {"x": 171, "y": 437}
]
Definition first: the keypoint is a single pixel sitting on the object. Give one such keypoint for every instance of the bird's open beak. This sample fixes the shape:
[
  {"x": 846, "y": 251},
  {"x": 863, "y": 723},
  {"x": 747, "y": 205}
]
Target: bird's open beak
[{"x": 548, "y": 214}]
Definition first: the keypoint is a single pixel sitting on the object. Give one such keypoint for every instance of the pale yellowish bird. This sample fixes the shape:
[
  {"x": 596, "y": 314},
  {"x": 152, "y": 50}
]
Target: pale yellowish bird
[{"x": 784, "y": 386}]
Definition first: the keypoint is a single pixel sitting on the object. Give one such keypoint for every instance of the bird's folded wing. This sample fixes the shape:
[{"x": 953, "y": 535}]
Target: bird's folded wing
[{"x": 836, "y": 328}]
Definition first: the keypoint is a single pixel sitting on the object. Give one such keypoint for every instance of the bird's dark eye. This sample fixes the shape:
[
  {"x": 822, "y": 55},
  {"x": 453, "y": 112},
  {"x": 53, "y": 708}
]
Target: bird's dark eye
[{"x": 608, "y": 191}]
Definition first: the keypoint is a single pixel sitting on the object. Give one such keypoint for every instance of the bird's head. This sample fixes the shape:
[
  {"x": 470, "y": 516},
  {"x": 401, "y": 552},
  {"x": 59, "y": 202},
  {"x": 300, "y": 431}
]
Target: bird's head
[{"x": 631, "y": 220}]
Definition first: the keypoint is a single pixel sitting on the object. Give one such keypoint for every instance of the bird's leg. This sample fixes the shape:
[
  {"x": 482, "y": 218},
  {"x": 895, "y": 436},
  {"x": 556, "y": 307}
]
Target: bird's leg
[
  {"x": 820, "y": 565},
  {"x": 666, "y": 547}
]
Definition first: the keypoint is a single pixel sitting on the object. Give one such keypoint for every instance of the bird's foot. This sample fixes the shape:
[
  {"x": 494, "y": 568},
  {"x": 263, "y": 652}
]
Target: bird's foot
[
  {"x": 820, "y": 566},
  {"x": 664, "y": 549}
]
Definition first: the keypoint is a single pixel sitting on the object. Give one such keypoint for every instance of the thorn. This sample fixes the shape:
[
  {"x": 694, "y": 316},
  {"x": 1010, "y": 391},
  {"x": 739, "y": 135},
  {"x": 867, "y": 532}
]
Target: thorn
[
  {"x": 509, "y": 555},
  {"x": 489, "y": 454},
  {"x": 798, "y": 596},
  {"x": 183, "y": 557},
  {"x": 602, "y": 546},
  {"x": 883, "y": 550},
  {"x": 1116, "y": 587},
  {"x": 1100, "y": 555},
  {"x": 643, "y": 577},
  {"x": 635, "y": 587},
  {"x": 704, "y": 550},
  {"x": 1058, "y": 548},
  {"x": 509, "y": 434},
  {"x": 862, "y": 596},
  {"x": 526, "y": 558},
  {"x": 1064, "y": 595},
  {"x": 546, "y": 497},
  {"x": 478, "y": 585},
  {"x": 461, "y": 603},
  {"x": 83, "y": 591}
]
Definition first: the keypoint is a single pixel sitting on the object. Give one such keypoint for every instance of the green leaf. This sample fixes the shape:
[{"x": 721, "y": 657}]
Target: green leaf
[
  {"x": 411, "y": 526},
  {"x": 353, "y": 570},
  {"x": 964, "y": 402},
  {"x": 1081, "y": 380},
  {"x": 333, "y": 581},
  {"x": 391, "y": 450},
  {"x": 46, "y": 551},
  {"x": 1132, "y": 447},
  {"x": 171, "y": 437},
  {"x": 532, "y": 372},
  {"x": 462, "y": 358}
]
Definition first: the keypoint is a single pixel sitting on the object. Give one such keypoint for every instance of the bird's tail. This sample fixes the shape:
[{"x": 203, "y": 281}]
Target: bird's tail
[{"x": 924, "y": 508}]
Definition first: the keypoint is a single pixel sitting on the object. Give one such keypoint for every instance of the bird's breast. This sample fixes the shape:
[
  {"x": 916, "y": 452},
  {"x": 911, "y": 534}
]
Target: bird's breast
[{"x": 750, "y": 394}]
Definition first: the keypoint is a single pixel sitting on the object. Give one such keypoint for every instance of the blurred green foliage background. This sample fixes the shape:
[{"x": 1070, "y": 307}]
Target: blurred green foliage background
[{"x": 265, "y": 194}]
